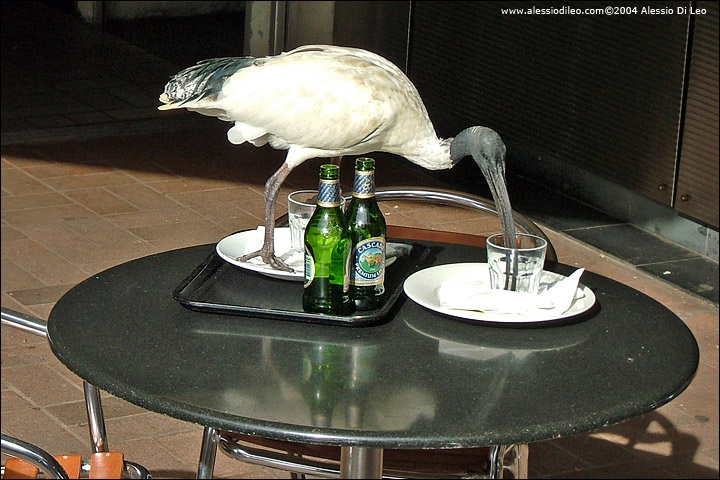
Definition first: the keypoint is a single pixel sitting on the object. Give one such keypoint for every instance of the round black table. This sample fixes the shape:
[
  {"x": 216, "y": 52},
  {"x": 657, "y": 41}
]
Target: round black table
[{"x": 420, "y": 380}]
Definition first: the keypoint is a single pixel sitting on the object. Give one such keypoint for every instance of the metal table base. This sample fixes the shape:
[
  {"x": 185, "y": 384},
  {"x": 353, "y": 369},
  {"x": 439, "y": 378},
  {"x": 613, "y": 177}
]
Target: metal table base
[{"x": 355, "y": 462}]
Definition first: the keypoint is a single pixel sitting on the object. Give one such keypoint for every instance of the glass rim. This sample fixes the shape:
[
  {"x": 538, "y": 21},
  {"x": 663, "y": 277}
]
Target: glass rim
[
  {"x": 291, "y": 198},
  {"x": 541, "y": 246}
]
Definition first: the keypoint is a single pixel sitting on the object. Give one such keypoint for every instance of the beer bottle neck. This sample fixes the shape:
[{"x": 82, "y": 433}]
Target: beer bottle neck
[
  {"x": 329, "y": 193},
  {"x": 364, "y": 186}
]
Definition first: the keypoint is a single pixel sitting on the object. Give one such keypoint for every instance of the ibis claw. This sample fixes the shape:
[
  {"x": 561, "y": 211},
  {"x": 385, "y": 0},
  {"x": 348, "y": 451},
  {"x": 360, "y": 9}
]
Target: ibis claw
[{"x": 269, "y": 258}]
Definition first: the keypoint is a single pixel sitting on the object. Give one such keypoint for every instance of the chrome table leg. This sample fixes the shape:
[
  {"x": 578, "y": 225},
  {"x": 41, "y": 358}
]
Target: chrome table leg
[
  {"x": 361, "y": 462},
  {"x": 208, "y": 451},
  {"x": 96, "y": 419}
]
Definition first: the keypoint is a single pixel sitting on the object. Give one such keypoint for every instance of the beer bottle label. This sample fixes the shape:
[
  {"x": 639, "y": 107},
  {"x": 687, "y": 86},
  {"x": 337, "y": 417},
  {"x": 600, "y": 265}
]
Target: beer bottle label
[
  {"x": 348, "y": 273},
  {"x": 369, "y": 262},
  {"x": 364, "y": 186},
  {"x": 329, "y": 193},
  {"x": 309, "y": 268}
]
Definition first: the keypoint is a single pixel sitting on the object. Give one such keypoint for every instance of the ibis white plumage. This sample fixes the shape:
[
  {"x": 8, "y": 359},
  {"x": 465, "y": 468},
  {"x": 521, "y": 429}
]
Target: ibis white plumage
[{"x": 328, "y": 101}]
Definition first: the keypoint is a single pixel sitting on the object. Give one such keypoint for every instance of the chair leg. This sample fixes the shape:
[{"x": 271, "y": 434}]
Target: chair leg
[
  {"x": 96, "y": 419},
  {"x": 208, "y": 451},
  {"x": 512, "y": 459},
  {"x": 294, "y": 475},
  {"x": 28, "y": 458},
  {"x": 519, "y": 461}
]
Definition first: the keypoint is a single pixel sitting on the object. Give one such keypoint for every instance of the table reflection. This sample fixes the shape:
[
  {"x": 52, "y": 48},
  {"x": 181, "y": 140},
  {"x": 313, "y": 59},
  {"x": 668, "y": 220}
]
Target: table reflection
[
  {"x": 325, "y": 376},
  {"x": 339, "y": 381}
]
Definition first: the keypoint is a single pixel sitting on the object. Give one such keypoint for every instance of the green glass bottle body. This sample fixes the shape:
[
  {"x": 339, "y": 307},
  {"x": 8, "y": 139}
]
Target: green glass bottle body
[
  {"x": 327, "y": 250},
  {"x": 368, "y": 232}
]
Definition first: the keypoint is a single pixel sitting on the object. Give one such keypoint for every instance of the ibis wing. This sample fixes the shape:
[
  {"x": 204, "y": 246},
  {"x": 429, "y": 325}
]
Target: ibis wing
[{"x": 313, "y": 103}]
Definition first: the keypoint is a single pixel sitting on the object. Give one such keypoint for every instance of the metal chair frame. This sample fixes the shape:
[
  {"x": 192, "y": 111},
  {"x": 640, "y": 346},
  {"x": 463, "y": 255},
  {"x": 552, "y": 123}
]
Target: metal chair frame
[
  {"x": 34, "y": 455},
  {"x": 463, "y": 200},
  {"x": 502, "y": 459},
  {"x": 96, "y": 420},
  {"x": 51, "y": 468},
  {"x": 455, "y": 199},
  {"x": 93, "y": 404}
]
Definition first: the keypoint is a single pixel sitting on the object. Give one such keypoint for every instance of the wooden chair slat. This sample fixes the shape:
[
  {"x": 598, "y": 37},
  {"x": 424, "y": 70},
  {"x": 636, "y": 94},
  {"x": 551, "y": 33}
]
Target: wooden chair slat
[
  {"x": 71, "y": 463},
  {"x": 413, "y": 233},
  {"x": 107, "y": 465},
  {"x": 16, "y": 468}
]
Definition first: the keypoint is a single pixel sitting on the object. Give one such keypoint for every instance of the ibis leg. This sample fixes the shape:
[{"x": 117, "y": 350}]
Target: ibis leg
[{"x": 267, "y": 252}]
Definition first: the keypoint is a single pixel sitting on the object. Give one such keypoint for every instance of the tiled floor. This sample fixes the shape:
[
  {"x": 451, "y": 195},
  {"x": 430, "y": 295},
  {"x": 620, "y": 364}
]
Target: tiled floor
[{"x": 92, "y": 176}]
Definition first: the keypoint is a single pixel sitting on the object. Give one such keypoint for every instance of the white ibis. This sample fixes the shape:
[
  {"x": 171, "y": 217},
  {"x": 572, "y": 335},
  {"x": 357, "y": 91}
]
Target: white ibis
[{"x": 329, "y": 101}]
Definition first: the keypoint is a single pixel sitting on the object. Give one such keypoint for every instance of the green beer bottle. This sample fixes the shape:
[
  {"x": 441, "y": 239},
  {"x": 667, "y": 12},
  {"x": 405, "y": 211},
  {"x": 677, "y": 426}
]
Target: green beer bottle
[
  {"x": 367, "y": 232},
  {"x": 327, "y": 250}
]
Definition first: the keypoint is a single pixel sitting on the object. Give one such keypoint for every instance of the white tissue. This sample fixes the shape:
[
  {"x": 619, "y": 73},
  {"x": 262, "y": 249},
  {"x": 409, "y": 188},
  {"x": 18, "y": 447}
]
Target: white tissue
[
  {"x": 562, "y": 293},
  {"x": 462, "y": 294}
]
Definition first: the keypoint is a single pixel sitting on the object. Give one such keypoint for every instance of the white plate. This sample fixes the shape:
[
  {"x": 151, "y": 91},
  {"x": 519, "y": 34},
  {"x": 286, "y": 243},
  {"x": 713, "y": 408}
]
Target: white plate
[
  {"x": 422, "y": 287},
  {"x": 238, "y": 244}
]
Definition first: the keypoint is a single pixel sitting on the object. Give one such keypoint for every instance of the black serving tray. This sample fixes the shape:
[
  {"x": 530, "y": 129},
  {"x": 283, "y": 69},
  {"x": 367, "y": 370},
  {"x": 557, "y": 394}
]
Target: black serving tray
[{"x": 217, "y": 286}]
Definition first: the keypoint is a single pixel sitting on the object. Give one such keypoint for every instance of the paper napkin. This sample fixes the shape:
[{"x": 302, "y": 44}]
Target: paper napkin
[{"x": 557, "y": 295}]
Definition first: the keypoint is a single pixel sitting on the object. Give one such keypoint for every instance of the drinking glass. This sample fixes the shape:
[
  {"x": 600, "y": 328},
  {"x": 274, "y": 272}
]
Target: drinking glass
[
  {"x": 516, "y": 267},
  {"x": 301, "y": 205}
]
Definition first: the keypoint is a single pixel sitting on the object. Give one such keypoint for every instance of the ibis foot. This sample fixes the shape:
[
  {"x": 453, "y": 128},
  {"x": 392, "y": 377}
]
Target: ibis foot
[{"x": 269, "y": 258}]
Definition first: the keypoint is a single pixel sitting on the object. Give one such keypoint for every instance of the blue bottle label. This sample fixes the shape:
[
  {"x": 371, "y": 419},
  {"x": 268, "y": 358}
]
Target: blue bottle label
[
  {"x": 364, "y": 186},
  {"x": 329, "y": 193},
  {"x": 369, "y": 262}
]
